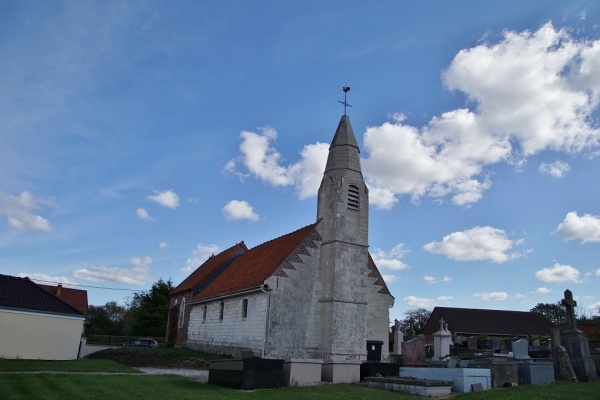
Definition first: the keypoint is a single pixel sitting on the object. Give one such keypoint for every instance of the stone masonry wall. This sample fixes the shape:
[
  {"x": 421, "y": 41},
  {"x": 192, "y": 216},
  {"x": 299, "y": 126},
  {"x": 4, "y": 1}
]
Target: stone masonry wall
[{"x": 233, "y": 333}]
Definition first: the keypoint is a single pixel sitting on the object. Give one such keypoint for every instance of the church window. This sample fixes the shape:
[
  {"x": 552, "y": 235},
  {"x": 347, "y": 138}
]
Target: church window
[
  {"x": 244, "y": 308},
  {"x": 353, "y": 198},
  {"x": 182, "y": 313},
  {"x": 204, "y": 311},
  {"x": 221, "y": 311}
]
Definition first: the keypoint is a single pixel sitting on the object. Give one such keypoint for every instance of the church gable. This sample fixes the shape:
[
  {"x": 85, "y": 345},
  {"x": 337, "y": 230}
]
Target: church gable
[{"x": 374, "y": 273}]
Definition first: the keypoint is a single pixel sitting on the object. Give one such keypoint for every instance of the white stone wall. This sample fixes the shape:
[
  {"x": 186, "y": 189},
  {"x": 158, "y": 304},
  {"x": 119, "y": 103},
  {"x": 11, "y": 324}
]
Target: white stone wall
[
  {"x": 378, "y": 319},
  {"x": 233, "y": 333}
]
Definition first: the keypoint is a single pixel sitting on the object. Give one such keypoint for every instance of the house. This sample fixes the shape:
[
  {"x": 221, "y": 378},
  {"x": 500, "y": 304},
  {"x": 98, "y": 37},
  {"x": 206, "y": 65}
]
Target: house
[
  {"x": 314, "y": 293},
  {"x": 472, "y": 322},
  {"x": 35, "y": 324},
  {"x": 76, "y": 298}
]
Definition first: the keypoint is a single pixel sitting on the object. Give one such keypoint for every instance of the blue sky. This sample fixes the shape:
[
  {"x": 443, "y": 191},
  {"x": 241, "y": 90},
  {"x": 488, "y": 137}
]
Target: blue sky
[{"x": 137, "y": 138}]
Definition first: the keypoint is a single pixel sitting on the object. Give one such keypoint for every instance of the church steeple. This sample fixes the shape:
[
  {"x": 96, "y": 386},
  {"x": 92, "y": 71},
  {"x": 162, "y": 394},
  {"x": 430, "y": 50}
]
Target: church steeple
[
  {"x": 343, "y": 200},
  {"x": 344, "y": 151}
]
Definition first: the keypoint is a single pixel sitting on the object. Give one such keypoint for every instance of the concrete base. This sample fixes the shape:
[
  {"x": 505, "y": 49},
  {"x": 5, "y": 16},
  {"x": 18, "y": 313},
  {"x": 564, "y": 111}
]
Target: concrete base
[
  {"x": 538, "y": 373},
  {"x": 341, "y": 371},
  {"x": 461, "y": 378},
  {"x": 576, "y": 344},
  {"x": 302, "y": 372},
  {"x": 504, "y": 373},
  {"x": 419, "y": 387}
]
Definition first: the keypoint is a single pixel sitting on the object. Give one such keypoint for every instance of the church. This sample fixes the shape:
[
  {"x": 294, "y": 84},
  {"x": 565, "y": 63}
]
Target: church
[{"x": 314, "y": 293}]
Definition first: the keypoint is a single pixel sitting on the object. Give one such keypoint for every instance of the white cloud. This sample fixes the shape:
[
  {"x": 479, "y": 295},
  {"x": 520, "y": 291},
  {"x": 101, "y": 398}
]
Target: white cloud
[
  {"x": 598, "y": 272},
  {"x": 530, "y": 92},
  {"x": 264, "y": 162},
  {"x": 557, "y": 169},
  {"x": 444, "y": 298},
  {"x": 491, "y": 296},
  {"x": 542, "y": 290},
  {"x": 163, "y": 245},
  {"x": 390, "y": 260},
  {"x": 137, "y": 275},
  {"x": 447, "y": 279},
  {"x": 595, "y": 306},
  {"x": 199, "y": 255},
  {"x": 20, "y": 211},
  {"x": 429, "y": 279},
  {"x": 585, "y": 228},
  {"x": 519, "y": 296},
  {"x": 167, "y": 198},
  {"x": 47, "y": 279},
  {"x": 143, "y": 214},
  {"x": 414, "y": 301},
  {"x": 389, "y": 278},
  {"x": 239, "y": 210},
  {"x": 558, "y": 273},
  {"x": 476, "y": 244}
]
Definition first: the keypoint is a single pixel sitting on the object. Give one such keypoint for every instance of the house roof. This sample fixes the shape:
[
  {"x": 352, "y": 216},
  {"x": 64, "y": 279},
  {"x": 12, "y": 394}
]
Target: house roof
[
  {"x": 23, "y": 294},
  {"x": 210, "y": 267},
  {"x": 250, "y": 269},
  {"x": 77, "y": 298},
  {"x": 475, "y": 321}
]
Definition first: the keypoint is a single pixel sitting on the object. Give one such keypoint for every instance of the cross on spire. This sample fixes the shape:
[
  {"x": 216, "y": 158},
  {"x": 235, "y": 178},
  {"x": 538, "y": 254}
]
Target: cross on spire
[
  {"x": 346, "y": 89},
  {"x": 570, "y": 305}
]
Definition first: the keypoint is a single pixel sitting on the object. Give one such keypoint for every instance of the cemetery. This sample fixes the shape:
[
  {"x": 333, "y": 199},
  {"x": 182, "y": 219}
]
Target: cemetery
[{"x": 456, "y": 365}]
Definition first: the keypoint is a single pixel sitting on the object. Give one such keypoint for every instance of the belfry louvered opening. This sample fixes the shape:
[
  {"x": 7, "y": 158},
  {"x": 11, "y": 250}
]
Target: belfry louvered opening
[{"x": 353, "y": 198}]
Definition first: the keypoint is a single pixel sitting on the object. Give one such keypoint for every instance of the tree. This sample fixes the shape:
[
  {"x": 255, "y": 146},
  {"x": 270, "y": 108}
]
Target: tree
[
  {"x": 414, "y": 319},
  {"x": 149, "y": 311},
  {"x": 106, "y": 319},
  {"x": 555, "y": 312}
]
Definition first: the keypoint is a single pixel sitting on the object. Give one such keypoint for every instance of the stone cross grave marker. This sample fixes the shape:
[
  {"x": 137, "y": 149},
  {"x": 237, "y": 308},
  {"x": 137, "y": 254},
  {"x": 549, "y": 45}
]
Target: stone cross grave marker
[{"x": 570, "y": 305}]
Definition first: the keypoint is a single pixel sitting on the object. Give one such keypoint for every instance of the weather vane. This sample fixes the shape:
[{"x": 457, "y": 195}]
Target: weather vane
[{"x": 346, "y": 89}]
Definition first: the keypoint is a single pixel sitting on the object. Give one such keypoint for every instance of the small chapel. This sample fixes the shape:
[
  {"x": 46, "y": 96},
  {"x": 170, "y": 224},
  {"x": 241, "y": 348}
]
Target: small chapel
[{"x": 314, "y": 293}]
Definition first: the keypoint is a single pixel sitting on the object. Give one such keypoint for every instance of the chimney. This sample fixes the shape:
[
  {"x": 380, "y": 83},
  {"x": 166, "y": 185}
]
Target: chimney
[{"x": 58, "y": 289}]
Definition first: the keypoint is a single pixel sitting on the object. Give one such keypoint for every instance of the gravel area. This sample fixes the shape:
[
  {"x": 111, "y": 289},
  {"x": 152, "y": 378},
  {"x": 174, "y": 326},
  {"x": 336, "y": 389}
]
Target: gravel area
[{"x": 200, "y": 375}]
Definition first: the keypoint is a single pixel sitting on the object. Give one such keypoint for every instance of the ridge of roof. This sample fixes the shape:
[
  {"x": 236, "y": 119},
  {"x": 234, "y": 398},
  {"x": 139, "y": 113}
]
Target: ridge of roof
[
  {"x": 23, "y": 294},
  {"x": 209, "y": 266},
  {"x": 252, "y": 268}
]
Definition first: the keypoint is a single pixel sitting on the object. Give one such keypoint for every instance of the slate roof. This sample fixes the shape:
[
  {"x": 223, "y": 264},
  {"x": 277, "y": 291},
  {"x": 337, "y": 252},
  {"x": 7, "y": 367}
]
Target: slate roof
[
  {"x": 77, "y": 298},
  {"x": 23, "y": 294},
  {"x": 499, "y": 322},
  {"x": 250, "y": 269}
]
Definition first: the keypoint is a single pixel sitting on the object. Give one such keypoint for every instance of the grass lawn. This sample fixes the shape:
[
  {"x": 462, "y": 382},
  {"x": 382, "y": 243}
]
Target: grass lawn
[
  {"x": 84, "y": 365},
  {"x": 149, "y": 387}
]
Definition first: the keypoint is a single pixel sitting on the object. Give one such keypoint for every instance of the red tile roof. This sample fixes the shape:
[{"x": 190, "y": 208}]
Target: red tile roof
[
  {"x": 252, "y": 268},
  {"x": 500, "y": 322},
  {"x": 209, "y": 267},
  {"x": 76, "y": 298}
]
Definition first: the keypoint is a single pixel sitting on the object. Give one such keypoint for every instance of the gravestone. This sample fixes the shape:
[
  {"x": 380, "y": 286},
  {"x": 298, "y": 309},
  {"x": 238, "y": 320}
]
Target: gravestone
[
  {"x": 565, "y": 369},
  {"x": 496, "y": 343},
  {"x": 398, "y": 339},
  {"x": 576, "y": 343},
  {"x": 536, "y": 343},
  {"x": 472, "y": 343},
  {"x": 520, "y": 349},
  {"x": 413, "y": 351},
  {"x": 442, "y": 339}
]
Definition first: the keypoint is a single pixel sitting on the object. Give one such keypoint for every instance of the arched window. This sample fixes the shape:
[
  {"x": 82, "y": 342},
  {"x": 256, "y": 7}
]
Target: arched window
[
  {"x": 204, "y": 311},
  {"x": 221, "y": 311},
  {"x": 244, "y": 308},
  {"x": 353, "y": 198},
  {"x": 182, "y": 313}
]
